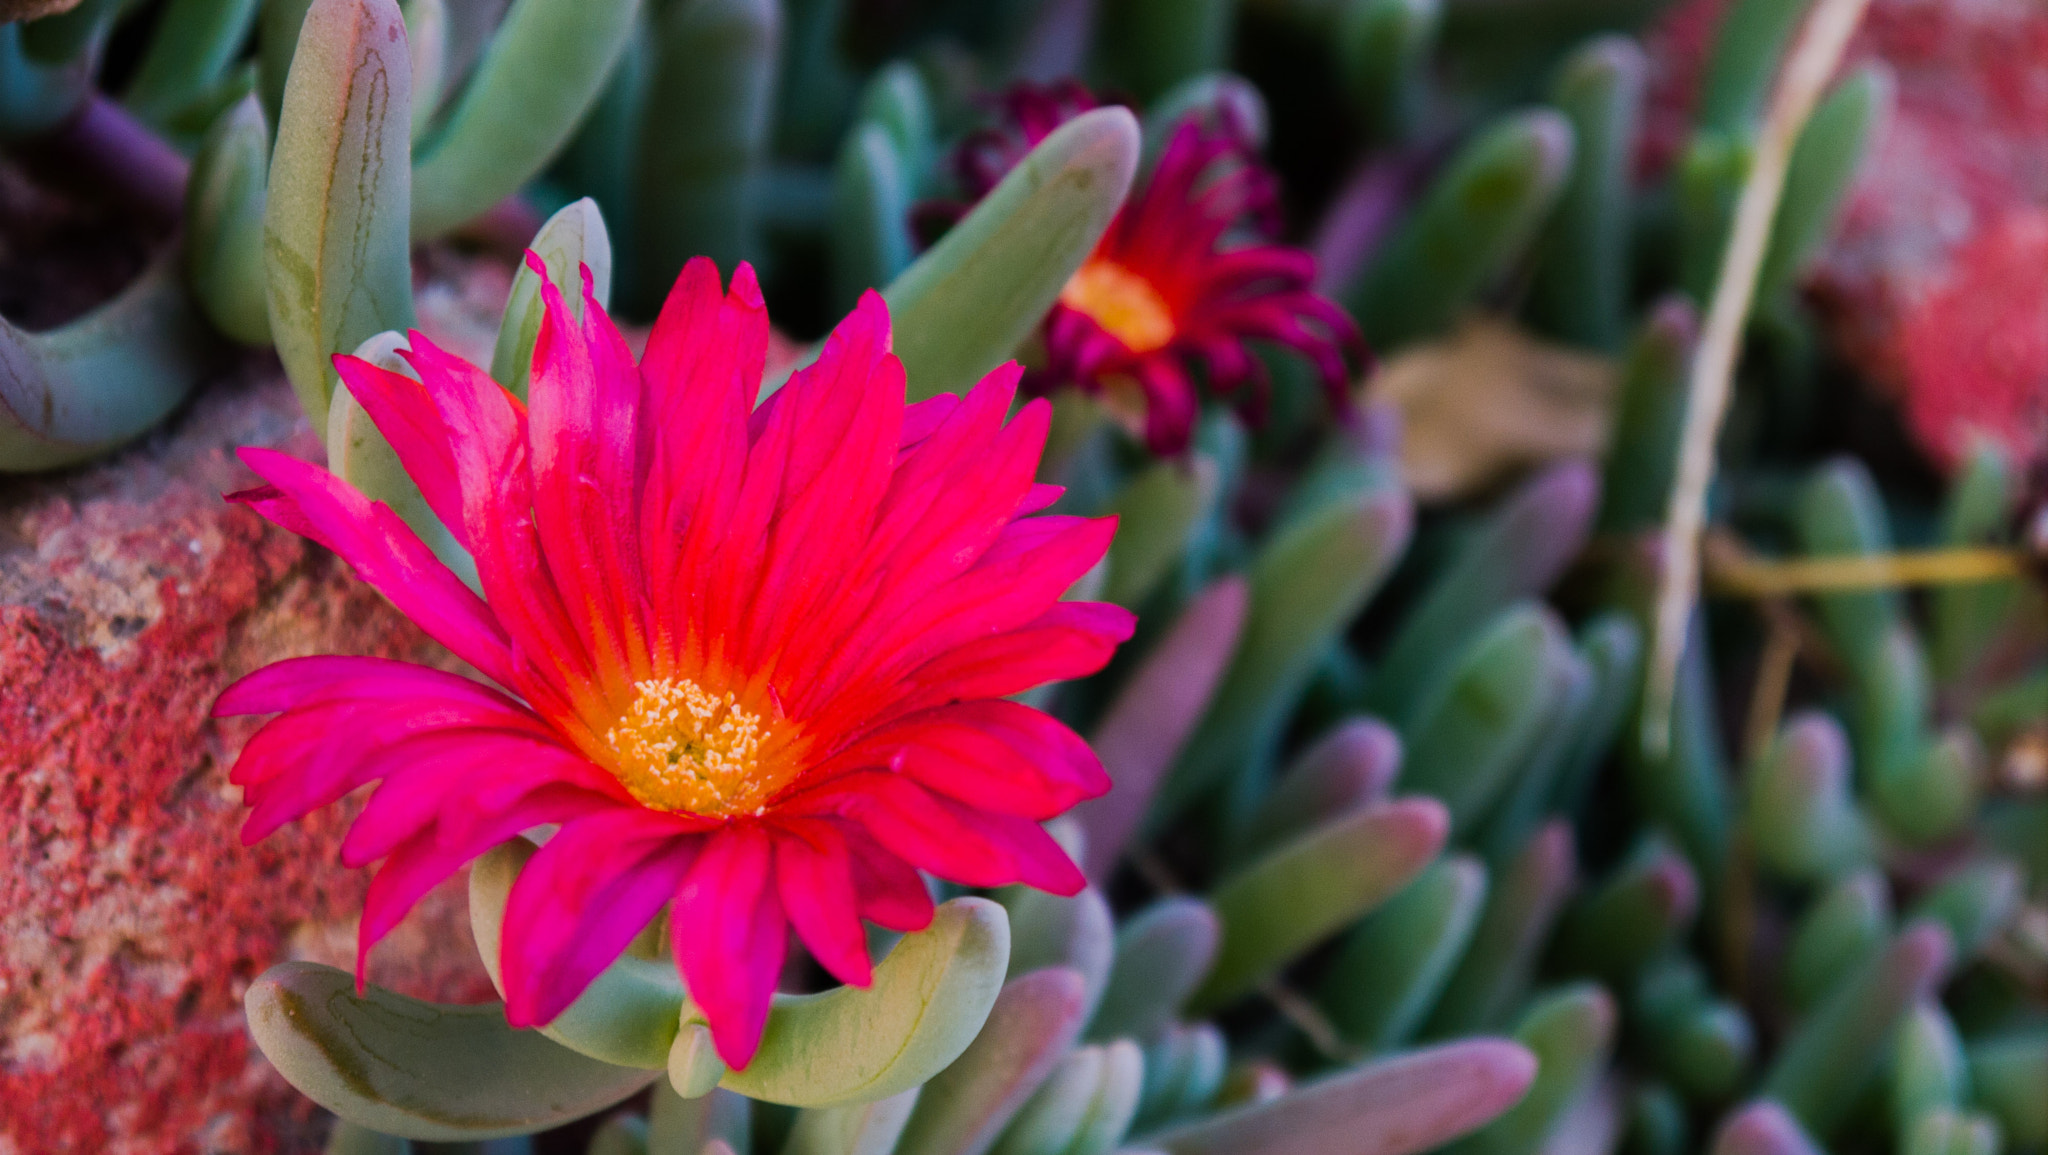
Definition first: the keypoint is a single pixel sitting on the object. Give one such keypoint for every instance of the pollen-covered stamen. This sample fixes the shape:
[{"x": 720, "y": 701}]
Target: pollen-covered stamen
[
  {"x": 1123, "y": 303},
  {"x": 682, "y": 748}
]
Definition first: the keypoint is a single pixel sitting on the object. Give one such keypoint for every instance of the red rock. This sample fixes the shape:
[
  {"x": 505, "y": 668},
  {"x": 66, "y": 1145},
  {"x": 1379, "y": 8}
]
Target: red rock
[{"x": 131, "y": 917}]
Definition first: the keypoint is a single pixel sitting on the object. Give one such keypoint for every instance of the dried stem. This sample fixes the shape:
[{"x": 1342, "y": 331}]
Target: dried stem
[
  {"x": 1758, "y": 578},
  {"x": 1813, "y": 60}
]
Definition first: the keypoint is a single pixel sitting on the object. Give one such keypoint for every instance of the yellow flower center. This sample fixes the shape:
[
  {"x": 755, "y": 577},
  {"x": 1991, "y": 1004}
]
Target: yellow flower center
[
  {"x": 1123, "y": 303},
  {"x": 682, "y": 748}
]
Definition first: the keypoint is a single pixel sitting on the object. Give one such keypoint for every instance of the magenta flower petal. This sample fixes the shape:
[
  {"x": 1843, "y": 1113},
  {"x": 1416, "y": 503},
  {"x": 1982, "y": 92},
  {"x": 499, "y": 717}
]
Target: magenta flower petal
[
  {"x": 581, "y": 899},
  {"x": 815, "y": 880},
  {"x": 730, "y": 937}
]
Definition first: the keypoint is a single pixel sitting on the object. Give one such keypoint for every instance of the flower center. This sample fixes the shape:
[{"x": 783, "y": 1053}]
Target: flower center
[
  {"x": 682, "y": 748},
  {"x": 1123, "y": 303}
]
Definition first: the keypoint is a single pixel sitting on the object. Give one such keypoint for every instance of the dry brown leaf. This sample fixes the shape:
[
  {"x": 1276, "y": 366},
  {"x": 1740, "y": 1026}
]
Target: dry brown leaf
[{"x": 1489, "y": 402}]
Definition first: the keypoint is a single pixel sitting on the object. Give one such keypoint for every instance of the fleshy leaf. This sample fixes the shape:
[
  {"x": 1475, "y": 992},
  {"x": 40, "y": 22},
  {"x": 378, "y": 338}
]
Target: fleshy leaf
[
  {"x": 1475, "y": 220},
  {"x": 1298, "y": 895},
  {"x": 966, "y": 305},
  {"x": 1162, "y": 954},
  {"x": 1827, "y": 1061},
  {"x": 71, "y": 393},
  {"x": 1308, "y": 583},
  {"x": 571, "y": 240},
  {"x": 1159, "y": 510},
  {"x": 703, "y": 138},
  {"x": 853, "y": 1129},
  {"x": 1397, "y": 1106},
  {"x": 629, "y": 1013},
  {"x": 966, "y": 1106},
  {"x": 417, "y": 1069},
  {"x": 1395, "y": 963},
  {"x": 508, "y": 124},
  {"x": 1050, "y": 930},
  {"x": 1152, "y": 715},
  {"x": 224, "y": 223},
  {"x": 929, "y": 999},
  {"x": 1521, "y": 550},
  {"x": 1467, "y": 740},
  {"x": 1521, "y": 907},
  {"x": 1084, "y": 1107},
  {"x": 1571, "y": 1033},
  {"x": 337, "y": 256}
]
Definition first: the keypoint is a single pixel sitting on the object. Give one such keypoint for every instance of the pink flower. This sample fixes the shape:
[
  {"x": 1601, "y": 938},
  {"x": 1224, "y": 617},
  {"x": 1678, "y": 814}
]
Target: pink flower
[
  {"x": 1183, "y": 279},
  {"x": 753, "y": 661}
]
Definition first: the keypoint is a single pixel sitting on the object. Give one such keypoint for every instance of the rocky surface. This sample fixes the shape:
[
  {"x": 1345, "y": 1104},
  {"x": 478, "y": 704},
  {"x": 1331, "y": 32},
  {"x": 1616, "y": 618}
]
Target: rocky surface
[{"x": 131, "y": 917}]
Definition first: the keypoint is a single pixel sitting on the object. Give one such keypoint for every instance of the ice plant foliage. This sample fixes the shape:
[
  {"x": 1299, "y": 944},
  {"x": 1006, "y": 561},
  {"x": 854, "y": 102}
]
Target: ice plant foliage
[
  {"x": 1183, "y": 279},
  {"x": 753, "y": 662}
]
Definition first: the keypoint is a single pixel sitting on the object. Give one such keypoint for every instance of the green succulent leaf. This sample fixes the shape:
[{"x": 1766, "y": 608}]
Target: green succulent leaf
[
  {"x": 703, "y": 137},
  {"x": 928, "y": 1001},
  {"x": 196, "y": 43},
  {"x": 336, "y": 254},
  {"x": 677, "y": 1124},
  {"x": 1976, "y": 903},
  {"x": 573, "y": 239},
  {"x": 417, "y": 1069},
  {"x": 965, "y": 1107},
  {"x": 1162, "y": 954},
  {"x": 1395, "y": 962},
  {"x": 1298, "y": 895},
  {"x": 1646, "y": 903},
  {"x": 1642, "y": 456},
  {"x": 224, "y": 223},
  {"x": 1571, "y": 1033},
  {"x": 1307, "y": 585},
  {"x": 1465, "y": 742},
  {"x": 872, "y": 191},
  {"x": 1581, "y": 289},
  {"x": 426, "y": 34},
  {"x": 966, "y": 305},
  {"x": 507, "y": 126},
  {"x": 1518, "y": 552},
  {"x": 1148, "y": 723},
  {"x": 1801, "y": 818},
  {"x": 1968, "y": 617},
  {"x": 1831, "y": 1057},
  {"x": 1929, "y": 1071},
  {"x": 1050, "y": 930},
  {"x": 853, "y": 1129},
  {"x": 1840, "y": 134},
  {"x": 1396, "y": 1106},
  {"x": 1158, "y": 511},
  {"x": 1943, "y": 1131},
  {"x": 1521, "y": 907},
  {"x": 1477, "y": 218},
  {"x": 2007, "y": 1072},
  {"x": 1084, "y": 1107},
  {"x": 72, "y": 393},
  {"x": 1849, "y": 923},
  {"x": 1347, "y": 769},
  {"x": 1383, "y": 53}
]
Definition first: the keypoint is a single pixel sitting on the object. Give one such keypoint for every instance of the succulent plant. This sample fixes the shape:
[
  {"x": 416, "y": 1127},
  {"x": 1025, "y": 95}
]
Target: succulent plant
[{"x": 1386, "y": 867}]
